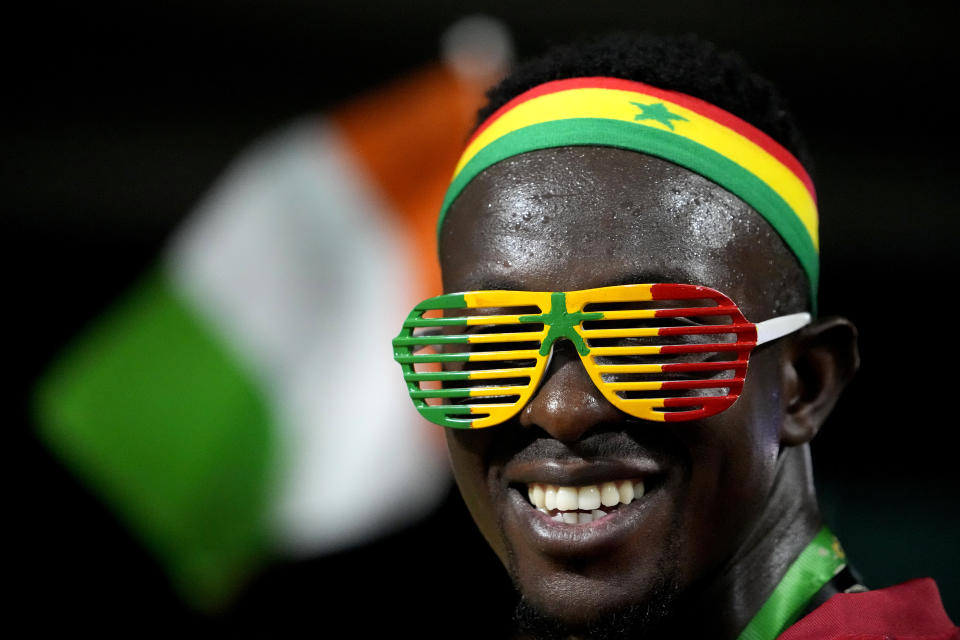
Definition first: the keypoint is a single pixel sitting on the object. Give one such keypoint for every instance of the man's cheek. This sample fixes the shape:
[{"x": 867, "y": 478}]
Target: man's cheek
[{"x": 467, "y": 457}]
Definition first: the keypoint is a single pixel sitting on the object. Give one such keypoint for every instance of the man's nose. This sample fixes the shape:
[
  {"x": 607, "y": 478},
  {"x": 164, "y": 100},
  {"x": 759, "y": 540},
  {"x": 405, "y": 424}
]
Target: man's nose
[{"x": 567, "y": 404}]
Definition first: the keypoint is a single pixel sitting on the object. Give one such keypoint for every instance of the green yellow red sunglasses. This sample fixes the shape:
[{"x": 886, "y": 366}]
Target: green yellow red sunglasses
[{"x": 662, "y": 352}]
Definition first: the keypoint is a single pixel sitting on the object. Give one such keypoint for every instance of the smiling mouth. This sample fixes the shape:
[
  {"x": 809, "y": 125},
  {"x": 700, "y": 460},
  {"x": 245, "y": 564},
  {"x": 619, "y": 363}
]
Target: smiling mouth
[{"x": 583, "y": 504}]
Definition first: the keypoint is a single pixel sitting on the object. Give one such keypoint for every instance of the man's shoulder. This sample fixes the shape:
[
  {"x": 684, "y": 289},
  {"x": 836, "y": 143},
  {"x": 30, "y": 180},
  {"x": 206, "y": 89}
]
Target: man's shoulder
[{"x": 910, "y": 610}]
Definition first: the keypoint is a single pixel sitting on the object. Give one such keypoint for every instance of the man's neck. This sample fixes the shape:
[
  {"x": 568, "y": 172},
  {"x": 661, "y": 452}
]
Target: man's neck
[{"x": 790, "y": 520}]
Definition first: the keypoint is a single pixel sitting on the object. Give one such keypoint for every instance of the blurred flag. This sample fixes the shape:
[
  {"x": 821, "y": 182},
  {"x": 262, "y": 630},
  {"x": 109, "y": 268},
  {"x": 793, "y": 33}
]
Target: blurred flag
[{"x": 242, "y": 401}]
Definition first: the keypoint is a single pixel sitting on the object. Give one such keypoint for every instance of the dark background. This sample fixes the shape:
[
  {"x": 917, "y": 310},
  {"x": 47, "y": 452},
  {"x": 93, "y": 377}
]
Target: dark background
[{"x": 119, "y": 115}]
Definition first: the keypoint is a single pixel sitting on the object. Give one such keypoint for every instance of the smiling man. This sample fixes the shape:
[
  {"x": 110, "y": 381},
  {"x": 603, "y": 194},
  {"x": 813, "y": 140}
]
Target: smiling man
[{"x": 628, "y": 361}]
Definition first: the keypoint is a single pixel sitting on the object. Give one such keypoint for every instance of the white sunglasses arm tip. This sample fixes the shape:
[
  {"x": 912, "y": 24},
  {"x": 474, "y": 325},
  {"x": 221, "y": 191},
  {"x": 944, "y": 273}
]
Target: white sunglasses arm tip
[{"x": 774, "y": 328}]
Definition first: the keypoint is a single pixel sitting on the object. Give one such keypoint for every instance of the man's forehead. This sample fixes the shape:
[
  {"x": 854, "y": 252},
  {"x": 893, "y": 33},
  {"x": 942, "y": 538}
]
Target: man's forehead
[{"x": 580, "y": 217}]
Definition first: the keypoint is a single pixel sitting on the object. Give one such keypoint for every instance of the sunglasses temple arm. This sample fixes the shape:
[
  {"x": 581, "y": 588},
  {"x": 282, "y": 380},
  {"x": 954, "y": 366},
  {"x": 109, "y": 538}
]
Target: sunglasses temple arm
[{"x": 774, "y": 328}]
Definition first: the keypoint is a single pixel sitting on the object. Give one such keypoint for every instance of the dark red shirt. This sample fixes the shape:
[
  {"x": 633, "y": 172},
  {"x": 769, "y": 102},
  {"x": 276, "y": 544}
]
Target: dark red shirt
[{"x": 908, "y": 611}]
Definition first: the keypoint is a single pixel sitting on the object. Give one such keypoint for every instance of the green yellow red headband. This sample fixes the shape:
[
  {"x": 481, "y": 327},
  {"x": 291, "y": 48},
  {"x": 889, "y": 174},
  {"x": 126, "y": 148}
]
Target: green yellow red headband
[{"x": 679, "y": 128}]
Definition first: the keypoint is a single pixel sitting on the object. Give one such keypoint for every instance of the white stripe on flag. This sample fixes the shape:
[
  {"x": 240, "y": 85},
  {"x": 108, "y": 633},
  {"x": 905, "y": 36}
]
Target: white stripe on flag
[{"x": 295, "y": 258}]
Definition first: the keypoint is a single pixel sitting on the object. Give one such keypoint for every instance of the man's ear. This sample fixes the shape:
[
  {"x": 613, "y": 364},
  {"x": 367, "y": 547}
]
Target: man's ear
[{"x": 817, "y": 364}]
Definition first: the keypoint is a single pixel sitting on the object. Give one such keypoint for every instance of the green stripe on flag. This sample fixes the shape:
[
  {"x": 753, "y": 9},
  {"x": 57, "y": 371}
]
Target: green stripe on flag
[{"x": 155, "y": 412}]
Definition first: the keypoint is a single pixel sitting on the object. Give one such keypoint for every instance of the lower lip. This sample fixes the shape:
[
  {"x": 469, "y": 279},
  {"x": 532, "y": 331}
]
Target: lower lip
[{"x": 577, "y": 540}]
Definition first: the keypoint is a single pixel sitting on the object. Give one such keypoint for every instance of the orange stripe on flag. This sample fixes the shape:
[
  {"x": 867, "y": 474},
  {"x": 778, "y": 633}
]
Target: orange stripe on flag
[{"x": 408, "y": 136}]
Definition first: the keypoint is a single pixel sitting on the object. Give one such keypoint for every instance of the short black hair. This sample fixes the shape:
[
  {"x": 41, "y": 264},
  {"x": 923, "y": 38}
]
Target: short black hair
[{"x": 684, "y": 63}]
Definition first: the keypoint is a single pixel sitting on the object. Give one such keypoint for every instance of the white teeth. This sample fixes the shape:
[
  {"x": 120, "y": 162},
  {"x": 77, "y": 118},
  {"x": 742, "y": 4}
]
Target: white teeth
[
  {"x": 588, "y": 498},
  {"x": 567, "y": 498},
  {"x": 536, "y": 496},
  {"x": 580, "y": 505},
  {"x": 550, "y": 497},
  {"x": 609, "y": 495}
]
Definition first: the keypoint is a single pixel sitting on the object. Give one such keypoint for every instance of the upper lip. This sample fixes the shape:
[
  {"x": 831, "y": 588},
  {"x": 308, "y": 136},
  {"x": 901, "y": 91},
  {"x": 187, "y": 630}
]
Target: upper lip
[
  {"x": 598, "y": 458},
  {"x": 580, "y": 472}
]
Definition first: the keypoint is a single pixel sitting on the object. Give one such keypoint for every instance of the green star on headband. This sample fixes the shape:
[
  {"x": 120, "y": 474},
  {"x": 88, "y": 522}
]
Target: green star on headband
[{"x": 658, "y": 112}]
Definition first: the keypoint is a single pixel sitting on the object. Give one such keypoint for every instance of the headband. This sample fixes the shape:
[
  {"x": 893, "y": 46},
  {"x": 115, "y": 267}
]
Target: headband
[{"x": 682, "y": 129}]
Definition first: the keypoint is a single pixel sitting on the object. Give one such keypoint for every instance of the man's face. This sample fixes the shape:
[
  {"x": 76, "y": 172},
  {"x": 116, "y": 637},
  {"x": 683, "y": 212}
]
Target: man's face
[{"x": 581, "y": 217}]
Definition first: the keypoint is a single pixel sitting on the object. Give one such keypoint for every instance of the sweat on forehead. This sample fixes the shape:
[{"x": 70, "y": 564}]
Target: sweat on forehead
[{"x": 581, "y": 217}]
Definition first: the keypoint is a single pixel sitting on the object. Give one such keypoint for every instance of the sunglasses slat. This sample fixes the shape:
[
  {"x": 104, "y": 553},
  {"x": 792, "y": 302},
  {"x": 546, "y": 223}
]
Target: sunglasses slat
[
  {"x": 498, "y": 319},
  {"x": 637, "y": 350},
  {"x": 470, "y": 392},
  {"x": 730, "y": 383},
  {"x": 654, "y": 385},
  {"x": 442, "y": 412},
  {"x": 640, "y": 332},
  {"x": 440, "y": 393},
  {"x": 703, "y": 366},
  {"x": 431, "y": 339},
  {"x": 646, "y": 314},
  {"x": 485, "y": 356},
  {"x": 413, "y": 323},
  {"x": 670, "y": 349},
  {"x": 629, "y": 314},
  {"x": 670, "y": 367},
  {"x": 697, "y": 312},
  {"x": 630, "y": 368},
  {"x": 666, "y": 385},
  {"x": 711, "y": 402},
  {"x": 480, "y": 356},
  {"x": 709, "y": 329},
  {"x": 486, "y": 374},
  {"x": 642, "y": 403},
  {"x": 435, "y": 376},
  {"x": 487, "y": 392},
  {"x": 483, "y": 338},
  {"x": 432, "y": 357}
]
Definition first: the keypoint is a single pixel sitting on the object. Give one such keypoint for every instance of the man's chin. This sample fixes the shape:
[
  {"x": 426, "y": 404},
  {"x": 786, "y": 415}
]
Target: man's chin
[{"x": 631, "y": 621}]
